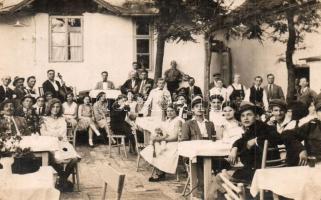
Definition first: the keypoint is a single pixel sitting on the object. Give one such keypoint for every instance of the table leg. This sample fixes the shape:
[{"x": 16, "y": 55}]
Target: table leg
[
  {"x": 193, "y": 177},
  {"x": 45, "y": 158},
  {"x": 207, "y": 167}
]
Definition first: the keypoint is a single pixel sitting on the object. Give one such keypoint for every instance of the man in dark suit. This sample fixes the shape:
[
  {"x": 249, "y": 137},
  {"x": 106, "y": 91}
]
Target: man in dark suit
[
  {"x": 145, "y": 84},
  {"x": 131, "y": 85},
  {"x": 30, "y": 87},
  {"x": 19, "y": 89},
  {"x": 272, "y": 90},
  {"x": 5, "y": 91},
  {"x": 51, "y": 85},
  {"x": 304, "y": 93},
  {"x": 192, "y": 90}
]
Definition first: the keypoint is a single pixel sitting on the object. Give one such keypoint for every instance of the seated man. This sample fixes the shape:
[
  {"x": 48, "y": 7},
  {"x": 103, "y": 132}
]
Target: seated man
[
  {"x": 310, "y": 133},
  {"x": 131, "y": 85},
  {"x": 104, "y": 84},
  {"x": 10, "y": 124},
  {"x": 250, "y": 145}
]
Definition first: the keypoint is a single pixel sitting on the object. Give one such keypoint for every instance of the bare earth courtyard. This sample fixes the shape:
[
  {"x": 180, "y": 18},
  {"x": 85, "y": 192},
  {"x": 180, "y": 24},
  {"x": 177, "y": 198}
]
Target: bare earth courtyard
[{"x": 136, "y": 183}]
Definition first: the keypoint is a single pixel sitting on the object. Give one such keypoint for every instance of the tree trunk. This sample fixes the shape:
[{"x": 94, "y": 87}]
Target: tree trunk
[
  {"x": 208, "y": 57},
  {"x": 159, "y": 55},
  {"x": 290, "y": 48}
]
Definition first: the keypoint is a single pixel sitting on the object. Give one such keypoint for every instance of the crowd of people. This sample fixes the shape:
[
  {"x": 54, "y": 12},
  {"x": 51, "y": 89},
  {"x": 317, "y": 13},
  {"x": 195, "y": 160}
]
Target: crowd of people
[{"x": 238, "y": 114}]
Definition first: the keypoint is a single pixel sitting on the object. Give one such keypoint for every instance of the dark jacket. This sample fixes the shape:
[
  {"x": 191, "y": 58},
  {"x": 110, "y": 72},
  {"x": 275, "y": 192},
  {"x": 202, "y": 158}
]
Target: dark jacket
[
  {"x": 8, "y": 94},
  {"x": 148, "y": 81},
  {"x": 252, "y": 158},
  {"x": 191, "y": 131},
  {"x": 256, "y": 96},
  {"x": 118, "y": 116},
  {"x": 127, "y": 87},
  {"x": 197, "y": 92},
  {"x": 20, "y": 122},
  {"x": 276, "y": 92},
  {"x": 48, "y": 87},
  {"x": 32, "y": 119}
]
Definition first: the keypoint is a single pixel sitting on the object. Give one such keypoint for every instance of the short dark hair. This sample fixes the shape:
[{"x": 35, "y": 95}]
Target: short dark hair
[
  {"x": 191, "y": 78},
  {"x": 160, "y": 79},
  {"x": 30, "y": 77},
  {"x": 216, "y": 96},
  {"x": 260, "y": 77},
  {"x": 267, "y": 76},
  {"x": 144, "y": 71},
  {"x": 50, "y": 70},
  {"x": 104, "y": 72}
]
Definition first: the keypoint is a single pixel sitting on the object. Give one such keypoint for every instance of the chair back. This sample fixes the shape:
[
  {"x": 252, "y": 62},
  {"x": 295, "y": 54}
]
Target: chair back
[
  {"x": 272, "y": 163},
  {"x": 113, "y": 179},
  {"x": 233, "y": 191}
]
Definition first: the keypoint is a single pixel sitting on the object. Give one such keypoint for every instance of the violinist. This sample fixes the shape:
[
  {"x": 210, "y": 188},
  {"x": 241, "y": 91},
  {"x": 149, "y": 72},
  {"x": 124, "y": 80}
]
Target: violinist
[{"x": 53, "y": 86}]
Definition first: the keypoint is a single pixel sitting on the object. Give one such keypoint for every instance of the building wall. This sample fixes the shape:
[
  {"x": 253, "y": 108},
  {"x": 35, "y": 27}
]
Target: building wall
[
  {"x": 108, "y": 45},
  {"x": 251, "y": 58}
]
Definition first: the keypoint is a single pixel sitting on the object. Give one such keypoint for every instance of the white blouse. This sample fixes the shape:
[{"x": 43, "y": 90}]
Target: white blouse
[
  {"x": 70, "y": 109},
  {"x": 54, "y": 127}
]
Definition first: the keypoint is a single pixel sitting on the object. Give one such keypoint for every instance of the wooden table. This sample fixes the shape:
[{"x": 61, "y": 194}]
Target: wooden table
[{"x": 206, "y": 150}]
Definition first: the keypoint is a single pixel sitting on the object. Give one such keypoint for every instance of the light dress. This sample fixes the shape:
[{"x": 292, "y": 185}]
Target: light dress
[{"x": 70, "y": 113}]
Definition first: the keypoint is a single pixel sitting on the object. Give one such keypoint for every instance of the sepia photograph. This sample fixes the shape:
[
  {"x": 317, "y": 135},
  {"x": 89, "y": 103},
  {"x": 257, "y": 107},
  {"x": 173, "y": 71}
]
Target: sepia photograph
[{"x": 160, "y": 99}]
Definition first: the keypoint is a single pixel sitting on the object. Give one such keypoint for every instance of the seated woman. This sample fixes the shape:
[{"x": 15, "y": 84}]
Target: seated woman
[
  {"x": 216, "y": 114},
  {"x": 10, "y": 124},
  {"x": 118, "y": 125},
  {"x": 231, "y": 130},
  {"x": 137, "y": 104},
  {"x": 102, "y": 114},
  {"x": 27, "y": 111},
  {"x": 70, "y": 109},
  {"x": 163, "y": 153},
  {"x": 250, "y": 145},
  {"x": 55, "y": 125},
  {"x": 86, "y": 120}
]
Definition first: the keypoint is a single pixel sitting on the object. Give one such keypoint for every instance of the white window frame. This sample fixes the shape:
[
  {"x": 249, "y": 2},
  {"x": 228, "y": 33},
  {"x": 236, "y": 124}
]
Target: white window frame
[
  {"x": 151, "y": 44},
  {"x": 50, "y": 38}
]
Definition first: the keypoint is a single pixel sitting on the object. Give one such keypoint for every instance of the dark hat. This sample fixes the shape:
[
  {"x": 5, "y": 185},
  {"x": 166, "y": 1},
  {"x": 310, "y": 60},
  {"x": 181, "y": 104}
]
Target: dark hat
[
  {"x": 181, "y": 94},
  {"x": 299, "y": 109},
  {"x": 229, "y": 104},
  {"x": 216, "y": 96},
  {"x": 17, "y": 78},
  {"x": 245, "y": 106},
  {"x": 6, "y": 102},
  {"x": 28, "y": 96},
  {"x": 99, "y": 95},
  {"x": 197, "y": 100},
  {"x": 217, "y": 74},
  {"x": 279, "y": 103}
]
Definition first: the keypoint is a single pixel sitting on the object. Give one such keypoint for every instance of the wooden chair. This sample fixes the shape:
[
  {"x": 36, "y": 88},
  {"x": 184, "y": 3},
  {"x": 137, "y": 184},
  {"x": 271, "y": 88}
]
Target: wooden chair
[
  {"x": 117, "y": 138},
  {"x": 233, "y": 191},
  {"x": 271, "y": 163},
  {"x": 146, "y": 143},
  {"x": 114, "y": 179}
]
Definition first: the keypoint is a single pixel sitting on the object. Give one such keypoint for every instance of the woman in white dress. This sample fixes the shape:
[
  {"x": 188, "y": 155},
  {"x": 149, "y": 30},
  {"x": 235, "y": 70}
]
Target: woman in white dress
[
  {"x": 70, "y": 109},
  {"x": 163, "y": 153},
  {"x": 55, "y": 125}
]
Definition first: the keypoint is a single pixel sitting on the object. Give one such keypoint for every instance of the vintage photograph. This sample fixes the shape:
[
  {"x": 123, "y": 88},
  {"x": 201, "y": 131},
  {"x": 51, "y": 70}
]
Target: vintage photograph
[{"x": 160, "y": 99}]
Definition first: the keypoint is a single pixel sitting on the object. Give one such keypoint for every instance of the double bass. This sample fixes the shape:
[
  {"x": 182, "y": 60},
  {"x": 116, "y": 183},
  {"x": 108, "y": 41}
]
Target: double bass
[{"x": 64, "y": 90}]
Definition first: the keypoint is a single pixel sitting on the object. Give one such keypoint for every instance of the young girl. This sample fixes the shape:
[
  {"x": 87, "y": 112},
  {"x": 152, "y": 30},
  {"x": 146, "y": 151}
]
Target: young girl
[{"x": 85, "y": 115}]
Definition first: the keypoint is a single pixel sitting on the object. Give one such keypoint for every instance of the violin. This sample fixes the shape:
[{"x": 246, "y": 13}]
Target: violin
[{"x": 64, "y": 90}]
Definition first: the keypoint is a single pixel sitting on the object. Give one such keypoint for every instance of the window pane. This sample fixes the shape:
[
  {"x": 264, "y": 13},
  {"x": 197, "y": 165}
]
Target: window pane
[
  {"x": 74, "y": 22},
  {"x": 59, "y": 53},
  {"x": 75, "y": 54},
  {"x": 142, "y": 46},
  {"x": 143, "y": 60},
  {"x": 58, "y": 25},
  {"x": 75, "y": 39},
  {"x": 58, "y": 39},
  {"x": 142, "y": 27}
]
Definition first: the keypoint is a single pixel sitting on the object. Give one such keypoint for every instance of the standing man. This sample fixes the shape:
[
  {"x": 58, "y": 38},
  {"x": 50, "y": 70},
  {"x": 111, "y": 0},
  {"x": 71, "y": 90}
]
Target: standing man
[
  {"x": 219, "y": 90},
  {"x": 192, "y": 90},
  {"x": 30, "y": 90},
  {"x": 51, "y": 85},
  {"x": 5, "y": 91},
  {"x": 256, "y": 94},
  {"x": 272, "y": 90},
  {"x": 105, "y": 84},
  {"x": 145, "y": 84},
  {"x": 216, "y": 76},
  {"x": 156, "y": 100},
  {"x": 173, "y": 77},
  {"x": 131, "y": 85},
  {"x": 305, "y": 94}
]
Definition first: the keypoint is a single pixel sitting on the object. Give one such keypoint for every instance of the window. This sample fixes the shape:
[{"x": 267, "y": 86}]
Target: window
[
  {"x": 66, "y": 39},
  {"x": 143, "y": 42}
]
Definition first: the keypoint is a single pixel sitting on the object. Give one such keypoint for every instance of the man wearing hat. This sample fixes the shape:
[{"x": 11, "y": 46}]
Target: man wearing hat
[
  {"x": 27, "y": 111},
  {"x": 310, "y": 133},
  {"x": 19, "y": 88},
  {"x": 5, "y": 91},
  {"x": 250, "y": 145},
  {"x": 9, "y": 123}
]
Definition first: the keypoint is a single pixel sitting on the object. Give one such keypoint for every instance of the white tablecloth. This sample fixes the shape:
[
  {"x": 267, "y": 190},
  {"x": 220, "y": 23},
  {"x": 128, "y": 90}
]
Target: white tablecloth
[
  {"x": 40, "y": 143},
  {"x": 35, "y": 186},
  {"x": 149, "y": 123},
  {"x": 110, "y": 94},
  {"x": 192, "y": 149},
  {"x": 299, "y": 183}
]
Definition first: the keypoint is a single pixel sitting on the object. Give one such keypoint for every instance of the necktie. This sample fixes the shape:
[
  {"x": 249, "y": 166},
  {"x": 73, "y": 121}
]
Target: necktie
[{"x": 270, "y": 91}]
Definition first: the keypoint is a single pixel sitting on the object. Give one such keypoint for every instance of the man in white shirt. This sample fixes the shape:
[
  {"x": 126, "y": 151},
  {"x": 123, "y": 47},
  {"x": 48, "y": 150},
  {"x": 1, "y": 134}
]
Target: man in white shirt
[
  {"x": 105, "y": 84},
  {"x": 219, "y": 90},
  {"x": 256, "y": 94},
  {"x": 157, "y": 98}
]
